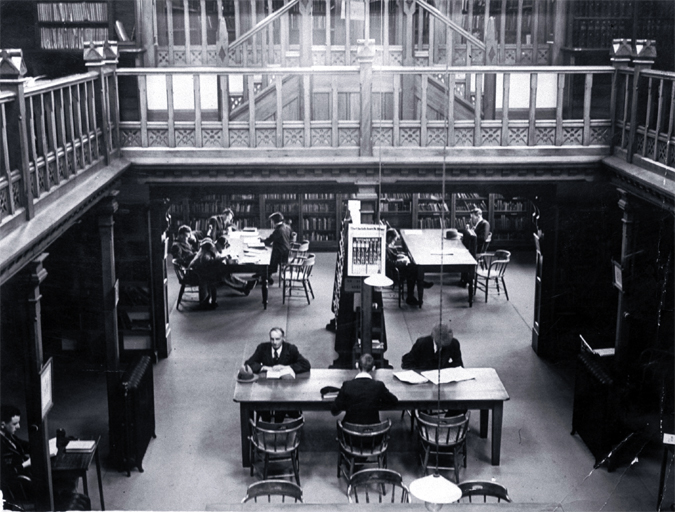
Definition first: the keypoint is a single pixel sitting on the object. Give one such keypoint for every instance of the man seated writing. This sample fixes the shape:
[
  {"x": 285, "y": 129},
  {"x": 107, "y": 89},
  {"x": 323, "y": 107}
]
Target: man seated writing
[{"x": 363, "y": 397}]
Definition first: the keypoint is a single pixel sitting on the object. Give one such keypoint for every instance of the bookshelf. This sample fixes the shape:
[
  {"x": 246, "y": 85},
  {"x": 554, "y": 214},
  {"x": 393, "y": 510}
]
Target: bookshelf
[
  {"x": 463, "y": 203},
  {"x": 431, "y": 211},
  {"x": 510, "y": 221},
  {"x": 66, "y": 25},
  {"x": 319, "y": 218},
  {"x": 286, "y": 203},
  {"x": 396, "y": 209}
]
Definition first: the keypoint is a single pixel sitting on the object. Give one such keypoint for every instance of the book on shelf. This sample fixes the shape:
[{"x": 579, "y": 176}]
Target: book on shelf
[{"x": 80, "y": 446}]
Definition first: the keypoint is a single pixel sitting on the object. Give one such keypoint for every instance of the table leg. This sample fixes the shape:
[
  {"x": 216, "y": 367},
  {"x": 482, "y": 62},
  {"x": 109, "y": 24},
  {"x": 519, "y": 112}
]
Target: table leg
[
  {"x": 265, "y": 287},
  {"x": 420, "y": 285},
  {"x": 244, "y": 414},
  {"x": 100, "y": 480},
  {"x": 85, "y": 484},
  {"x": 484, "y": 418},
  {"x": 471, "y": 290},
  {"x": 497, "y": 413}
]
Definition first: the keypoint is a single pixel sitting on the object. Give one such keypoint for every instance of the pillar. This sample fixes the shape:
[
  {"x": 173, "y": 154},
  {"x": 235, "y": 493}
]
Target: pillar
[
  {"x": 622, "y": 341},
  {"x": 408, "y": 81},
  {"x": 366, "y": 56},
  {"x": 38, "y": 432}
]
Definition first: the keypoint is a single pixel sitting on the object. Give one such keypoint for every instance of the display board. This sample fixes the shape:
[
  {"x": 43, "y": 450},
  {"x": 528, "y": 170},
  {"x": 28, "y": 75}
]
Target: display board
[{"x": 366, "y": 250}]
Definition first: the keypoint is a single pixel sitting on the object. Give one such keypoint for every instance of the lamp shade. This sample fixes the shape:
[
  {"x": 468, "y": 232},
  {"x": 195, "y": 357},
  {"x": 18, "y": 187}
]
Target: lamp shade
[
  {"x": 435, "y": 489},
  {"x": 378, "y": 281}
]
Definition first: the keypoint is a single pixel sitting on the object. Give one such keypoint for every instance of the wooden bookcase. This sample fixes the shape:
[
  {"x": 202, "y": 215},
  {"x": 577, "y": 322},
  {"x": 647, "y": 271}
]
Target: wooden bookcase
[
  {"x": 65, "y": 25},
  {"x": 396, "y": 208}
]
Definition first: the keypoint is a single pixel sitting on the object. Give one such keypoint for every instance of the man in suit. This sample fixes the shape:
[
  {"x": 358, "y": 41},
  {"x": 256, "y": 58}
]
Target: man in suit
[
  {"x": 475, "y": 236},
  {"x": 424, "y": 353},
  {"x": 183, "y": 249},
  {"x": 363, "y": 396},
  {"x": 280, "y": 240},
  {"x": 276, "y": 355},
  {"x": 14, "y": 451}
]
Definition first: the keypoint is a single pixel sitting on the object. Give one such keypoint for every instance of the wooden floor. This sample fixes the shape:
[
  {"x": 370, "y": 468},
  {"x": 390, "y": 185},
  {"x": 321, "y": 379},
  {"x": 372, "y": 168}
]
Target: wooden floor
[{"x": 195, "y": 460}]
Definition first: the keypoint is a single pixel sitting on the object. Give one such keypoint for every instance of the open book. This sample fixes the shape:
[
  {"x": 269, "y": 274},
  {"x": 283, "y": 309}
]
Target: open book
[
  {"x": 447, "y": 375},
  {"x": 284, "y": 373}
]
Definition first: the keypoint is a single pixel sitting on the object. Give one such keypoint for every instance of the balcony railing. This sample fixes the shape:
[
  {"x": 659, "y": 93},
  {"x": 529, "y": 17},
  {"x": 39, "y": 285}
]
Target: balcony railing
[
  {"x": 51, "y": 132},
  {"x": 331, "y": 108}
]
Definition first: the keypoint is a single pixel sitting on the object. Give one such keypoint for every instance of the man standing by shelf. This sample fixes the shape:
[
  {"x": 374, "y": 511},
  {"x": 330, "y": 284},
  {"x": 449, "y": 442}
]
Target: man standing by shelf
[
  {"x": 475, "y": 238},
  {"x": 280, "y": 240}
]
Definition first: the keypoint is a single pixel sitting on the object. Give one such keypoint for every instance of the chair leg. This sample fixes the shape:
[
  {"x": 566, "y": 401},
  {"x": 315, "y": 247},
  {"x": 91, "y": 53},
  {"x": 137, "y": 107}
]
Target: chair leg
[
  {"x": 310, "y": 288},
  {"x": 455, "y": 463},
  {"x": 180, "y": 295},
  {"x": 283, "y": 293},
  {"x": 505, "y": 292},
  {"x": 304, "y": 285},
  {"x": 487, "y": 285},
  {"x": 425, "y": 460},
  {"x": 339, "y": 464},
  {"x": 497, "y": 283},
  {"x": 296, "y": 466}
]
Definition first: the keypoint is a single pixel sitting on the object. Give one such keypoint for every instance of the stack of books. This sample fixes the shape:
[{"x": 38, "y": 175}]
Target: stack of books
[{"x": 78, "y": 446}]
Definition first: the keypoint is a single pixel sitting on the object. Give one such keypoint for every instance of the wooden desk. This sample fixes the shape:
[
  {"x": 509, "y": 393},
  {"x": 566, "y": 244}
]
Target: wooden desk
[
  {"x": 486, "y": 392},
  {"x": 78, "y": 464},
  {"x": 424, "y": 247},
  {"x": 254, "y": 261}
]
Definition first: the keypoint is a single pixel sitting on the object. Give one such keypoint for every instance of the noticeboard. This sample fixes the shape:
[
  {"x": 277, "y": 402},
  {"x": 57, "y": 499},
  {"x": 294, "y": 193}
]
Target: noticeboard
[{"x": 366, "y": 250}]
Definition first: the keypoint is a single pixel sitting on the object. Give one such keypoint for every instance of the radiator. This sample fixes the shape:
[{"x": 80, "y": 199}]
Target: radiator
[{"x": 138, "y": 412}]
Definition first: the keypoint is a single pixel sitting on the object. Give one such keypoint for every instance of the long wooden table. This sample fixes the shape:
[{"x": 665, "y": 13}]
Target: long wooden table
[
  {"x": 78, "y": 464},
  {"x": 431, "y": 253},
  {"x": 250, "y": 261},
  {"x": 486, "y": 393}
]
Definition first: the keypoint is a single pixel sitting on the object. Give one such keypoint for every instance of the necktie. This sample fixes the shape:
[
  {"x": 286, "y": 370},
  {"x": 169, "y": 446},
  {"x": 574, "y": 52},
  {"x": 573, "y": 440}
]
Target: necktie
[{"x": 276, "y": 356}]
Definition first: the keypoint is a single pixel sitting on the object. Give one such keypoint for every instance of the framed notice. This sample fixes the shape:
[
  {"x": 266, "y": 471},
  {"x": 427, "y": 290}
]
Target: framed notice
[
  {"x": 46, "y": 380},
  {"x": 618, "y": 275},
  {"x": 366, "y": 250}
]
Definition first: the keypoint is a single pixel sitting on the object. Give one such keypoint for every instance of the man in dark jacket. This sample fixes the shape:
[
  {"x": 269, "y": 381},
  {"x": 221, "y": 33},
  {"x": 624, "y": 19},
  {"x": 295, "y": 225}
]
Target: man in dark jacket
[
  {"x": 14, "y": 450},
  {"x": 424, "y": 353},
  {"x": 276, "y": 354},
  {"x": 280, "y": 240},
  {"x": 363, "y": 396}
]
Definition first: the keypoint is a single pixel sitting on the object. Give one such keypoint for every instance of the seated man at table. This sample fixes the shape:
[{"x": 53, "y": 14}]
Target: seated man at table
[
  {"x": 14, "y": 450},
  {"x": 424, "y": 353},
  {"x": 397, "y": 258},
  {"x": 230, "y": 280},
  {"x": 363, "y": 397},
  {"x": 183, "y": 249},
  {"x": 277, "y": 354}
]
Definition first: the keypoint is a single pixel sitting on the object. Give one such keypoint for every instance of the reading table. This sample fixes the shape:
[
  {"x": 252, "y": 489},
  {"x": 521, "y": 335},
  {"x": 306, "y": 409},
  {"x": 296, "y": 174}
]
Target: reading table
[
  {"x": 484, "y": 392},
  {"x": 431, "y": 252},
  {"x": 78, "y": 464},
  {"x": 250, "y": 259}
]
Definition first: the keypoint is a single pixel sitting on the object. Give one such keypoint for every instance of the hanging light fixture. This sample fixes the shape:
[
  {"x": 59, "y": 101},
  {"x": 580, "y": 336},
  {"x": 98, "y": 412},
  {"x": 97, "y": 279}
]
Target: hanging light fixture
[{"x": 436, "y": 490}]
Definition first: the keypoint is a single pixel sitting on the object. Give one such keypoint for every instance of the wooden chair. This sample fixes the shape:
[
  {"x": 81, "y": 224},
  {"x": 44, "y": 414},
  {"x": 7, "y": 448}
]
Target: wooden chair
[
  {"x": 442, "y": 437},
  {"x": 368, "y": 483},
  {"x": 492, "y": 266},
  {"x": 361, "y": 445},
  {"x": 17, "y": 492},
  {"x": 297, "y": 254},
  {"x": 296, "y": 277},
  {"x": 478, "y": 488},
  {"x": 276, "y": 444},
  {"x": 269, "y": 488},
  {"x": 186, "y": 278}
]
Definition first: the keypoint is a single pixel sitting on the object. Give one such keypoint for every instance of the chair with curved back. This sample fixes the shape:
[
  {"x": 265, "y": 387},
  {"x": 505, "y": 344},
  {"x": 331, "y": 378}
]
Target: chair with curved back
[
  {"x": 477, "y": 488},
  {"x": 186, "y": 278},
  {"x": 491, "y": 267},
  {"x": 368, "y": 483},
  {"x": 296, "y": 277},
  {"x": 442, "y": 437},
  {"x": 361, "y": 445},
  {"x": 297, "y": 253},
  {"x": 276, "y": 444},
  {"x": 269, "y": 488}
]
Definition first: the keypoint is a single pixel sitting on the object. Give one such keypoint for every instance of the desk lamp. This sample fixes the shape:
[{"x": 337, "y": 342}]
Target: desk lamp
[{"x": 436, "y": 490}]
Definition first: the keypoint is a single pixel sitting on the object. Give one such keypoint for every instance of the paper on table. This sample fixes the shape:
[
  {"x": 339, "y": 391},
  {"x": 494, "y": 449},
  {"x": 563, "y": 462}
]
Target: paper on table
[
  {"x": 280, "y": 374},
  {"x": 411, "y": 377},
  {"x": 449, "y": 375},
  {"x": 255, "y": 244}
]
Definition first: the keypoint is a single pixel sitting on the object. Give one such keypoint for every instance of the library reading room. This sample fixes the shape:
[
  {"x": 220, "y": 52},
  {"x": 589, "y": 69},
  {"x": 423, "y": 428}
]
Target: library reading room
[{"x": 323, "y": 254}]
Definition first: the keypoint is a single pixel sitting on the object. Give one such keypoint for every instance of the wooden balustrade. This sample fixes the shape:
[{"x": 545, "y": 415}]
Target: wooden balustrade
[
  {"x": 51, "y": 132},
  {"x": 449, "y": 30},
  {"x": 651, "y": 103},
  {"x": 318, "y": 107}
]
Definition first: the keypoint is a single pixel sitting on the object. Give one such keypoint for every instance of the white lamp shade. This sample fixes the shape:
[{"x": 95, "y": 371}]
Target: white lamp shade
[
  {"x": 378, "y": 281},
  {"x": 435, "y": 489}
]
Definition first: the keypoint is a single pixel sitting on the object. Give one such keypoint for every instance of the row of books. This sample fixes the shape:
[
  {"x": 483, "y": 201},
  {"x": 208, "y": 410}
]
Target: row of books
[
  {"x": 509, "y": 206},
  {"x": 432, "y": 207},
  {"x": 317, "y": 208},
  {"x": 507, "y": 223},
  {"x": 73, "y": 12},
  {"x": 70, "y": 38},
  {"x": 467, "y": 207},
  {"x": 281, "y": 207},
  {"x": 319, "y": 196},
  {"x": 433, "y": 223},
  {"x": 319, "y": 237},
  {"x": 135, "y": 295},
  {"x": 324, "y": 224},
  {"x": 394, "y": 207},
  {"x": 604, "y": 9}
]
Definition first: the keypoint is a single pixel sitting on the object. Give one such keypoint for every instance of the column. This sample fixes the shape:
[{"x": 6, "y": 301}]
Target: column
[
  {"x": 159, "y": 240},
  {"x": 365, "y": 56},
  {"x": 305, "y": 7},
  {"x": 38, "y": 432},
  {"x": 622, "y": 342},
  {"x": 408, "y": 81}
]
